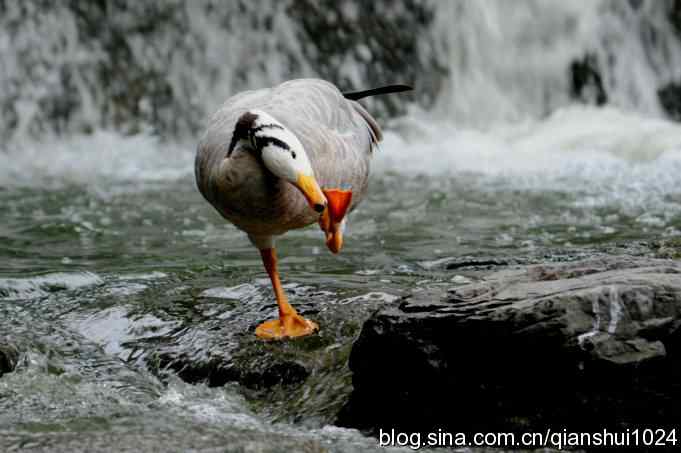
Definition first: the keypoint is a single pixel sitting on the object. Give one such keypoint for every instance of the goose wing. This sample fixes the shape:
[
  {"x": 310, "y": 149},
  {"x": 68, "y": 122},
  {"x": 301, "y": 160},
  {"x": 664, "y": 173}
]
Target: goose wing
[{"x": 337, "y": 133}]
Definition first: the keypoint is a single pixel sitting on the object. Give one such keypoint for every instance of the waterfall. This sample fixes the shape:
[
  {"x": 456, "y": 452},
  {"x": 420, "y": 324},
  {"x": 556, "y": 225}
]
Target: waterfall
[
  {"x": 512, "y": 60},
  {"x": 163, "y": 66}
]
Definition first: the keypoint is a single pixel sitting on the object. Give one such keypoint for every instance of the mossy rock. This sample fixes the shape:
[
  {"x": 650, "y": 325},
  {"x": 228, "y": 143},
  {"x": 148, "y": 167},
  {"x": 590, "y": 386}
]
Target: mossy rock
[{"x": 668, "y": 248}]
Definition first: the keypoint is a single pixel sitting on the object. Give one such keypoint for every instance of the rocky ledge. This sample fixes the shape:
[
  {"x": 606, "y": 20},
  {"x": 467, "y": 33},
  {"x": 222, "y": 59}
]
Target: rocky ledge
[
  {"x": 305, "y": 379},
  {"x": 582, "y": 345}
]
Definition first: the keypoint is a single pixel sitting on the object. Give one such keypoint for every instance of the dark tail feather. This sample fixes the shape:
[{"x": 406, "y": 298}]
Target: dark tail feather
[{"x": 355, "y": 95}]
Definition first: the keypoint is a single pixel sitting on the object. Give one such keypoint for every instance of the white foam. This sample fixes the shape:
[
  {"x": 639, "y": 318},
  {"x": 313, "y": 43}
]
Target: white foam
[
  {"x": 460, "y": 280},
  {"x": 238, "y": 292},
  {"x": 575, "y": 139},
  {"x": 616, "y": 310},
  {"x": 595, "y": 329},
  {"x": 126, "y": 289},
  {"x": 377, "y": 296},
  {"x": 107, "y": 328},
  {"x": 95, "y": 159},
  {"x": 42, "y": 285},
  {"x": 153, "y": 275},
  {"x": 113, "y": 327},
  {"x": 219, "y": 405},
  {"x": 608, "y": 155}
]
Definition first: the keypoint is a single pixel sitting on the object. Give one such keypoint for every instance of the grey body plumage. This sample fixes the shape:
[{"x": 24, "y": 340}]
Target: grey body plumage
[{"x": 337, "y": 134}]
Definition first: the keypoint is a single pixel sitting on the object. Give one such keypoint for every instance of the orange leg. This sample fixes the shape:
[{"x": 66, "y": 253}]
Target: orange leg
[{"x": 290, "y": 323}]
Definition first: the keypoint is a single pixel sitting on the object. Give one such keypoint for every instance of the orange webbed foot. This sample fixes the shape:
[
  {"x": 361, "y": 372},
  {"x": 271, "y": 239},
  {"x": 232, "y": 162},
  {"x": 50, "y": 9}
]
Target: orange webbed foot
[{"x": 288, "y": 326}]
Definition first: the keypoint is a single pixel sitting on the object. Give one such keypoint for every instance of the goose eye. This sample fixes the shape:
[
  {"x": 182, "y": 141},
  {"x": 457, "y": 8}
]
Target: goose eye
[{"x": 293, "y": 154}]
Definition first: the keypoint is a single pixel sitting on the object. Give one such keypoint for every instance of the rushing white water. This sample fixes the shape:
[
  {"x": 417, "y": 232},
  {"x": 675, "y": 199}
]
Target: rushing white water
[
  {"x": 506, "y": 62},
  {"x": 620, "y": 156},
  {"x": 22, "y": 288},
  {"x": 504, "y": 108},
  {"x": 94, "y": 158},
  {"x": 509, "y": 61},
  {"x": 572, "y": 139}
]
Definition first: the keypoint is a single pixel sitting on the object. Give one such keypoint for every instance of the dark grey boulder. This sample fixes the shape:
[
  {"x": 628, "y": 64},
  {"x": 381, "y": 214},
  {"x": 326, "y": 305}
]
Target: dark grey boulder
[
  {"x": 8, "y": 357},
  {"x": 670, "y": 99},
  {"x": 586, "y": 83},
  {"x": 674, "y": 14},
  {"x": 583, "y": 345}
]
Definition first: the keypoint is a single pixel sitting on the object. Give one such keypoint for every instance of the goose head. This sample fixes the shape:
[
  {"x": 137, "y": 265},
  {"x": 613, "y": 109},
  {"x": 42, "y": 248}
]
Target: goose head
[{"x": 284, "y": 155}]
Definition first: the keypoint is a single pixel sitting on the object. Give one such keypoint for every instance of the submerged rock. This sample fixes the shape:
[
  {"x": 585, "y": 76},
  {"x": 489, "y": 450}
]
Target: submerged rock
[
  {"x": 586, "y": 83},
  {"x": 8, "y": 358},
  {"x": 670, "y": 100},
  {"x": 667, "y": 248},
  {"x": 307, "y": 378},
  {"x": 585, "y": 344},
  {"x": 674, "y": 14},
  {"x": 477, "y": 263}
]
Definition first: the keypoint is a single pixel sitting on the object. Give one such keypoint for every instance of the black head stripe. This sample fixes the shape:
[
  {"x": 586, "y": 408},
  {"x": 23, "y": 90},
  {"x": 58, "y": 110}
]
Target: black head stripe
[
  {"x": 242, "y": 129},
  {"x": 261, "y": 141},
  {"x": 266, "y": 126}
]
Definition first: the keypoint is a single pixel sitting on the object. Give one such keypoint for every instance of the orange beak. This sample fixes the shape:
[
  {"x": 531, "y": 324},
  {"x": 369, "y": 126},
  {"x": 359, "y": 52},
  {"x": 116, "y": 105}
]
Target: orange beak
[
  {"x": 331, "y": 220},
  {"x": 312, "y": 192},
  {"x": 334, "y": 239}
]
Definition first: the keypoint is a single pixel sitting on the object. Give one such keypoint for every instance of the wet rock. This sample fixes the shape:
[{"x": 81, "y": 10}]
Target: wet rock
[
  {"x": 586, "y": 84},
  {"x": 8, "y": 357},
  {"x": 480, "y": 262},
  {"x": 585, "y": 344},
  {"x": 334, "y": 32},
  {"x": 136, "y": 439},
  {"x": 287, "y": 380},
  {"x": 670, "y": 100},
  {"x": 254, "y": 364},
  {"x": 667, "y": 248},
  {"x": 674, "y": 14},
  {"x": 290, "y": 380}
]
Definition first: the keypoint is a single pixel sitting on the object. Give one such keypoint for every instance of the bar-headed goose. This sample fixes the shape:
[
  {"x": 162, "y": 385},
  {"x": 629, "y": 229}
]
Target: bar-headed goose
[{"x": 280, "y": 158}]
